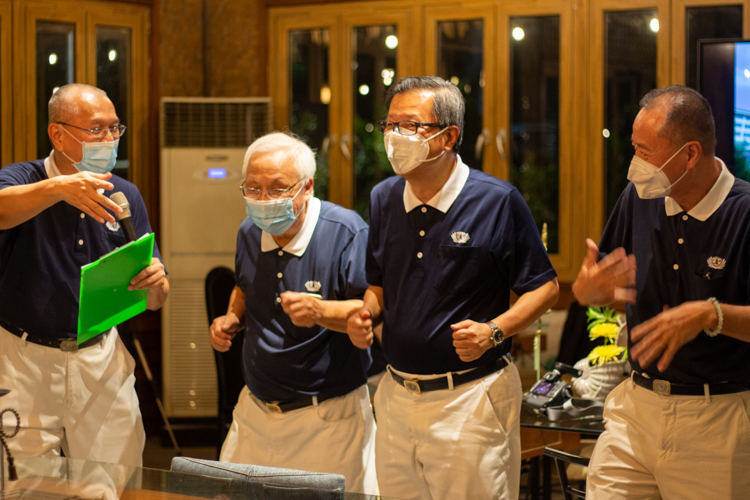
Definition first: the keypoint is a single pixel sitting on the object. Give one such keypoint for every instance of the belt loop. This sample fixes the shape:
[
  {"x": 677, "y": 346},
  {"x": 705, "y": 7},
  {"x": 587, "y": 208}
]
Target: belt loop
[
  {"x": 707, "y": 393},
  {"x": 450, "y": 381},
  {"x": 632, "y": 377},
  {"x": 23, "y": 337},
  {"x": 315, "y": 401}
]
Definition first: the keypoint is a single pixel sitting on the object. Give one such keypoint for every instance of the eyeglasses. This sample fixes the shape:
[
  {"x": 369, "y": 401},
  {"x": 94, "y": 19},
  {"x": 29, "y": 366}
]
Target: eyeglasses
[
  {"x": 403, "y": 128},
  {"x": 99, "y": 132},
  {"x": 272, "y": 194}
]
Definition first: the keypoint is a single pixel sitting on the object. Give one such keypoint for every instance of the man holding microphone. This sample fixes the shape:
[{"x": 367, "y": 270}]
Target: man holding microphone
[{"x": 55, "y": 218}]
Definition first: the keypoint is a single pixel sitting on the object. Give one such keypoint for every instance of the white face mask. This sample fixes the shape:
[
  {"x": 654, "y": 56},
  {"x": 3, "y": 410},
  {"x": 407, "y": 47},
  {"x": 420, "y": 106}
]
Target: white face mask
[
  {"x": 407, "y": 152},
  {"x": 650, "y": 181}
]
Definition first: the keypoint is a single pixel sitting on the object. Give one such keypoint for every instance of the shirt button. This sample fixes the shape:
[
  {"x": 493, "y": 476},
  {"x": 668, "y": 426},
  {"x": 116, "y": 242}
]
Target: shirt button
[
  {"x": 684, "y": 217},
  {"x": 419, "y": 255},
  {"x": 80, "y": 242},
  {"x": 278, "y": 299},
  {"x": 680, "y": 241},
  {"x": 424, "y": 210},
  {"x": 83, "y": 215},
  {"x": 279, "y": 275},
  {"x": 676, "y": 267},
  {"x": 281, "y": 253},
  {"x": 421, "y": 233}
]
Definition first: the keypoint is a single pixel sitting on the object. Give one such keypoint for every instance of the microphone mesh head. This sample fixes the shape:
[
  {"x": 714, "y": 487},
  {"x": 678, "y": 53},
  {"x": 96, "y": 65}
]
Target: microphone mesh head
[{"x": 122, "y": 201}]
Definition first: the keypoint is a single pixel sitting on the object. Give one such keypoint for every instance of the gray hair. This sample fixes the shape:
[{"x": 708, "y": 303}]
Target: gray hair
[
  {"x": 448, "y": 103},
  {"x": 276, "y": 142},
  {"x": 63, "y": 104},
  {"x": 689, "y": 117}
]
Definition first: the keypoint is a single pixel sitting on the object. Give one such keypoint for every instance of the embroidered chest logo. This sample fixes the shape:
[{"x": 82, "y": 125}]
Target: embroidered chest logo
[
  {"x": 313, "y": 286},
  {"x": 716, "y": 262},
  {"x": 113, "y": 226},
  {"x": 460, "y": 237}
]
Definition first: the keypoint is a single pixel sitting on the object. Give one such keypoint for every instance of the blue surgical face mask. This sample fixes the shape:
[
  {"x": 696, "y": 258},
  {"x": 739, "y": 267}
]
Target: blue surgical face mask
[
  {"x": 98, "y": 157},
  {"x": 272, "y": 216}
]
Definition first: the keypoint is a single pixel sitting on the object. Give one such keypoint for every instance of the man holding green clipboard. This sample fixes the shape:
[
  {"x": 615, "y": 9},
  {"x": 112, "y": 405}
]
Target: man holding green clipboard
[{"x": 74, "y": 393}]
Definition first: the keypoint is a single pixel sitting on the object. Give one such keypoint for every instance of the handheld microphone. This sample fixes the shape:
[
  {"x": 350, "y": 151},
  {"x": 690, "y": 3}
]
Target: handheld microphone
[{"x": 124, "y": 218}]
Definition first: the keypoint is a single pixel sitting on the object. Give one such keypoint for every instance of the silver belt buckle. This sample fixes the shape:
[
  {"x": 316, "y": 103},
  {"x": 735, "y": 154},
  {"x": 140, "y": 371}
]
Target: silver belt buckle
[
  {"x": 662, "y": 387},
  {"x": 412, "y": 386},
  {"x": 69, "y": 345},
  {"x": 274, "y": 407}
]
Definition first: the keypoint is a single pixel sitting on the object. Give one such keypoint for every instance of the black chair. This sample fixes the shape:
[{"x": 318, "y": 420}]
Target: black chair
[
  {"x": 561, "y": 458},
  {"x": 219, "y": 285}
]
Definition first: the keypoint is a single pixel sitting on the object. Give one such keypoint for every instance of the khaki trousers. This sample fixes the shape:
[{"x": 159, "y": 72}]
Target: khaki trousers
[{"x": 672, "y": 447}]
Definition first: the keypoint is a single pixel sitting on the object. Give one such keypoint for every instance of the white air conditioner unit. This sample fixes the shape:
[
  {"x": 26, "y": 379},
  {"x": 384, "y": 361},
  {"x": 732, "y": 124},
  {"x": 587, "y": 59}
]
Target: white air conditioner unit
[{"x": 203, "y": 143}]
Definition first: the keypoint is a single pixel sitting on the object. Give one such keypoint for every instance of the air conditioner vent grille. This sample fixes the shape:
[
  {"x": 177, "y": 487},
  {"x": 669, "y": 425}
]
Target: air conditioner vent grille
[{"x": 196, "y": 124}]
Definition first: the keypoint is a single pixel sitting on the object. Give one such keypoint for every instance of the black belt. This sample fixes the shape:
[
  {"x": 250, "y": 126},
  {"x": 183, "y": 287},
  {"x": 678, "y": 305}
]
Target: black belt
[
  {"x": 666, "y": 388},
  {"x": 417, "y": 386},
  {"x": 277, "y": 407},
  {"x": 65, "y": 345}
]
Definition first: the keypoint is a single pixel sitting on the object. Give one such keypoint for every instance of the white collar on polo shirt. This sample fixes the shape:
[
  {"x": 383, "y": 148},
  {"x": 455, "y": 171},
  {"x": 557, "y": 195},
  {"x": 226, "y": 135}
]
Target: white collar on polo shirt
[
  {"x": 50, "y": 166},
  {"x": 444, "y": 198},
  {"x": 299, "y": 242},
  {"x": 711, "y": 202}
]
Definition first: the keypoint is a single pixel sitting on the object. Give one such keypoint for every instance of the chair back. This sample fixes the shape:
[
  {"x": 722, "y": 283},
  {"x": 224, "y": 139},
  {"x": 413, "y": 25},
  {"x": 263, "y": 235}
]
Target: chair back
[
  {"x": 561, "y": 458},
  {"x": 219, "y": 285},
  {"x": 271, "y": 483}
]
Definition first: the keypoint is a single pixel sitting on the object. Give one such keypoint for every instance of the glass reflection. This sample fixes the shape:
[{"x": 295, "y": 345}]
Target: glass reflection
[
  {"x": 535, "y": 118},
  {"x": 629, "y": 74},
  {"x": 719, "y": 21},
  {"x": 460, "y": 60},
  {"x": 55, "y": 67},
  {"x": 113, "y": 76},
  {"x": 374, "y": 69},
  {"x": 310, "y": 96}
]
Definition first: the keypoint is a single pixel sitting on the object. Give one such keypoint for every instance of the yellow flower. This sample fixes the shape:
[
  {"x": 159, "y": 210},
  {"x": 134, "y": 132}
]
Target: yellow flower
[
  {"x": 606, "y": 330},
  {"x": 604, "y": 353}
]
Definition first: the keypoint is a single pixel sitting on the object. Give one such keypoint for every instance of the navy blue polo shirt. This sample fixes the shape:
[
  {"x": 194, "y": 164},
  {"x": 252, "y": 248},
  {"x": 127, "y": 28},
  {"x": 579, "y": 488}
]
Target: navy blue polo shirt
[
  {"x": 283, "y": 362},
  {"x": 439, "y": 266},
  {"x": 682, "y": 257},
  {"x": 41, "y": 259}
]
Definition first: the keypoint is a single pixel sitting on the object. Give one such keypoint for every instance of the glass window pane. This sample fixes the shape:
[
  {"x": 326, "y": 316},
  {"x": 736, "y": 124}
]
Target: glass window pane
[
  {"x": 113, "y": 60},
  {"x": 629, "y": 73},
  {"x": 719, "y": 21},
  {"x": 310, "y": 96},
  {"x": 374, "y": 71},
  {"x": 460, "y": 60},
  {"x": 535, "y": 117},
  {"x": 55, "y": 67}
]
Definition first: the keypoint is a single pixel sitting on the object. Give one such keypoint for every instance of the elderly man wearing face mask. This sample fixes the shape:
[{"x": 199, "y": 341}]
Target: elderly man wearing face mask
[
  {"x": 54, "y": 218},
  {"x": 677, "y": 249},
  {"x": 447, "y": 245},
  {"x": 300, "y": 273}
]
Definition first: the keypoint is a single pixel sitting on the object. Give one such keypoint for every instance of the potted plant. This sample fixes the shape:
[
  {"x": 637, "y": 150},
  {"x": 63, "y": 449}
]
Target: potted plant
[{"x": 604, "y": 367}]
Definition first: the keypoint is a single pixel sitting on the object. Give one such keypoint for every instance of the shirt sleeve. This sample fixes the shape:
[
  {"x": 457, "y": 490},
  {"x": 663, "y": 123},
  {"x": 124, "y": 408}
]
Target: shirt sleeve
[
  {"x": 15, "y": 175},
  {"x": 140, "y": 219},
  {"x": 374, "y": 274},
  {"x": 518, "y": 245},
  {"x": 617, "y": 232},
  {"x": 352, "y": 267}
]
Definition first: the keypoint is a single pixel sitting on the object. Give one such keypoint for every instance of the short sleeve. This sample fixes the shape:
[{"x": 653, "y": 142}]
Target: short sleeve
[
  {"x": 618, "y": 229},
  {"x": 518, "y": 247},
  {"x": 374, "y": 273},
  {"x": 17, "y": 175},
  {"x": 140, "y": 218},
  {"x": 352, "y": 277}
]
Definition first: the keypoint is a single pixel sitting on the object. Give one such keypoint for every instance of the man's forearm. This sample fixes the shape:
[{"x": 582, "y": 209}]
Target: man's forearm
[
  {"x": 237, "y": 304},
  {"x": 373, "y": 302},
  {"x": 332, "y": 314},
  {"x": 736, "y": 322},
  {"x": 529, "y": 307},
  {"x": 21, "y": 203}
]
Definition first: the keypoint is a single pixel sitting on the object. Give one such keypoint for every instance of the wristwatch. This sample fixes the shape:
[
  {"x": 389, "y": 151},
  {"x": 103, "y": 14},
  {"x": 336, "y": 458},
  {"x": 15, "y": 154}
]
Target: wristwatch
[{"x": 496, "y": 336}]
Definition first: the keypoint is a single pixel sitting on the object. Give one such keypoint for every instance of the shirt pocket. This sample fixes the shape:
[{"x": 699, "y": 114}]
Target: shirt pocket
[
  {"x": 458, "y": 268},
  {"x": 707, "y": 283}
]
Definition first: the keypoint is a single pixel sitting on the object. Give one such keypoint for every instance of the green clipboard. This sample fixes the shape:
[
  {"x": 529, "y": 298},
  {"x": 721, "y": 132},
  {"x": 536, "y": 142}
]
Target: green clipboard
[{"x": 105, "y": 300}]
